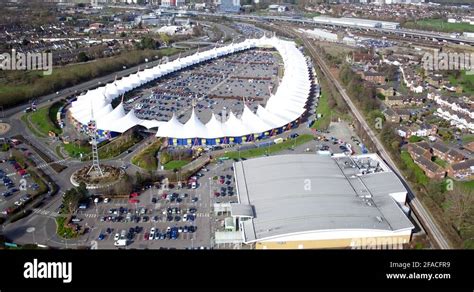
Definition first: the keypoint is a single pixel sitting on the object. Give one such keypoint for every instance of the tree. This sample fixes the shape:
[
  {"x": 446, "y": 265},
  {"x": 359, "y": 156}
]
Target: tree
[
  {"x": 148, "y": 43},
  {"x": 459, "y": 206},
  {"x": 73, "y": 196},
  {"x": 82, "y": 57},
  {"x": 165, "y": 38}
]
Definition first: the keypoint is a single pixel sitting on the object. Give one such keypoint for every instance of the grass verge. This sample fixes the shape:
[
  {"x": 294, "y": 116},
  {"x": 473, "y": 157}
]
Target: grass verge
[
  {"x": 270, "y": 149},
  {"x": 146, "y": 159},
  {"x": 175, "y": 164}
]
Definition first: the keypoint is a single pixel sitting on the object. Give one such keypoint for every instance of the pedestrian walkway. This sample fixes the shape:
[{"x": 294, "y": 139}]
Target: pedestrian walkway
[
  {"x": 44, "y": 165},
  {"x": 45, "y": 213}
]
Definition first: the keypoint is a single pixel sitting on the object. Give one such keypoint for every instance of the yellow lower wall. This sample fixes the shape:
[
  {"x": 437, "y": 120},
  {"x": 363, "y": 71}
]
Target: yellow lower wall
[{"x": 361, "y": 243}]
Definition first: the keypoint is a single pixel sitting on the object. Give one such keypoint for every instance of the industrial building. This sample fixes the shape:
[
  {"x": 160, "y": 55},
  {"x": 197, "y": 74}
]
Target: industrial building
[
  {"x": 282, "y": 111},
  {"x": 328, "y": 36},
  {"x": 356, "y": 22},
  {"x": 302, "y": 201},
  {"x": 229, "y": 6}
]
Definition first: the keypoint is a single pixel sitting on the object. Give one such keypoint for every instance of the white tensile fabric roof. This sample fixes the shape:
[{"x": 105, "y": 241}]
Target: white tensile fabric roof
[{"x": 287, "y": 105}]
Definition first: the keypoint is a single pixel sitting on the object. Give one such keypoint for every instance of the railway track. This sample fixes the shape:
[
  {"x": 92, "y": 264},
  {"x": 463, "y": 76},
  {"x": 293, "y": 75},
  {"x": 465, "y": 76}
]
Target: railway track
[{"x": 428, "y": 222}]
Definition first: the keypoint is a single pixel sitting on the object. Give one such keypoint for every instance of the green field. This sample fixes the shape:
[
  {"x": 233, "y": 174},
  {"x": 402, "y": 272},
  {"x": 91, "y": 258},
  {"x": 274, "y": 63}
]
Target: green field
[
  {"x": 440, "y": 162},
  {"x": 146, "y": 159},
  {"x": 468, "y": 138},
  {"x": 175, "y": 164},
  {"x": 33, "y": 130},
  {"x": 414, "y": 139},
  {"x": 42, "y": 122},
  {"x": 269, "y": 149},
  {"x": 420, "y": 176},
  {"x": 75, "y": 150},
  {"x": 465, "y": 80},
  {"x": 19, "y": 86},
  {"x": 441, "y": 25},
  {"x": 325, "y": 111},
  {"x": 466, "y": 184}
]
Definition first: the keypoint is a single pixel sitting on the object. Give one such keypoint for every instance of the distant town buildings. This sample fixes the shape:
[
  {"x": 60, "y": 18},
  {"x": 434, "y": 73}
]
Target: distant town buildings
[
  {"x": 357, "y": 22},
  {"x": 231, "y": 6},
  {"x": 172, "y": 3}
]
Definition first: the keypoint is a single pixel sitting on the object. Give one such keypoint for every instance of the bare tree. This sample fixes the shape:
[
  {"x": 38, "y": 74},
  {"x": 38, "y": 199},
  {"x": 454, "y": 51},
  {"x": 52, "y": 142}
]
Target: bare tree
[{"x": 460, "y": 206}]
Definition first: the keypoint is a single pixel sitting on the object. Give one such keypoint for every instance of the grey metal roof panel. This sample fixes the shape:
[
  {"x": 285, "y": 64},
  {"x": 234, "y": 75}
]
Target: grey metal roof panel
[
  {"x": 382, "y": 184},
  {"x": 307, "y": 192},
  {"x": 241, "y": 210}
]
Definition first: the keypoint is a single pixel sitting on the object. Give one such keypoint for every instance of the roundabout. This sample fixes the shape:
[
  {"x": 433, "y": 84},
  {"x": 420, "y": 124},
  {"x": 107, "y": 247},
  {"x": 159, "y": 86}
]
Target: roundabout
[
  {"x": 4, "y": 128},
  {"x": 93, "y": 179}
]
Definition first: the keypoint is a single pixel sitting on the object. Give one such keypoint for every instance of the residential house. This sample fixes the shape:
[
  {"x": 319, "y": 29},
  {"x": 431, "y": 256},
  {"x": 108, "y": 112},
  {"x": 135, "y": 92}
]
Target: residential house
[
  {"x": 400, "y": 100},
  {"x": 470, "y": 146},
  {"x": 386, "y": 90},
  {"x": 404, "y": 114},
  {"x": 462, "y": 170},
  {"x": 373, "y": 76},
  {"x": 446, "y": 153},
  {"x": 360, "y": 57},
  {"x": 421, "y": 149},
  {"x": 394, "y": 100},
  {"x": 431, "y": 169},
  {"x": 391, "y": 115}
]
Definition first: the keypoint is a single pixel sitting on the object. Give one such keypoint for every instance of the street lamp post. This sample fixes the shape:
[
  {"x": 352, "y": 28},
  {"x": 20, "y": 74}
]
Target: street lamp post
[{"x": 65, "y": 239}]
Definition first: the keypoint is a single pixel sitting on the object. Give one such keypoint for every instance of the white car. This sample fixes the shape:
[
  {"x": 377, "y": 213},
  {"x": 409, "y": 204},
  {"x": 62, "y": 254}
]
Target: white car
[
  {"x": 152, "y": 233},
  {"x": 18, "y": 203},
  {"x": 185, "y": 217},
  {"x": 106, "y": 200},
  {"x": 116, "y": 237}
]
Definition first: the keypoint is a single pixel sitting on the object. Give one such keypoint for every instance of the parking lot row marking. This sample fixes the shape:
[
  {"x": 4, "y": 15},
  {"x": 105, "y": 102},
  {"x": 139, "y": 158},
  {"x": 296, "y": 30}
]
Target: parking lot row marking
[{"x": 89, "y": 215}]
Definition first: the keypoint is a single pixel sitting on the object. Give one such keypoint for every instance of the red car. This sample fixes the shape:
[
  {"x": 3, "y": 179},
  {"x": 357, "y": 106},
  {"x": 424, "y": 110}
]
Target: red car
[
  {"x": 146, "y": 235},
  {"x": 134, "y": 195},
  {"x": 164, "y": 196},
  {"x": 217, "y": 194},
  {"x": 133, "y": 201}
]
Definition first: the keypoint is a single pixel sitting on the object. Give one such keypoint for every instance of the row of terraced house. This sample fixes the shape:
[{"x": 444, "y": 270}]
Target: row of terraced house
[{"x": 458, "y": 166}]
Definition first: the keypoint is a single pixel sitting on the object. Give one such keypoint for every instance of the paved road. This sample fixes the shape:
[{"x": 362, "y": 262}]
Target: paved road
[
  {"x": 428, "y": 221},
  {"x": 77, "y": 89},
  {"x": 43, "y": 219}
]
